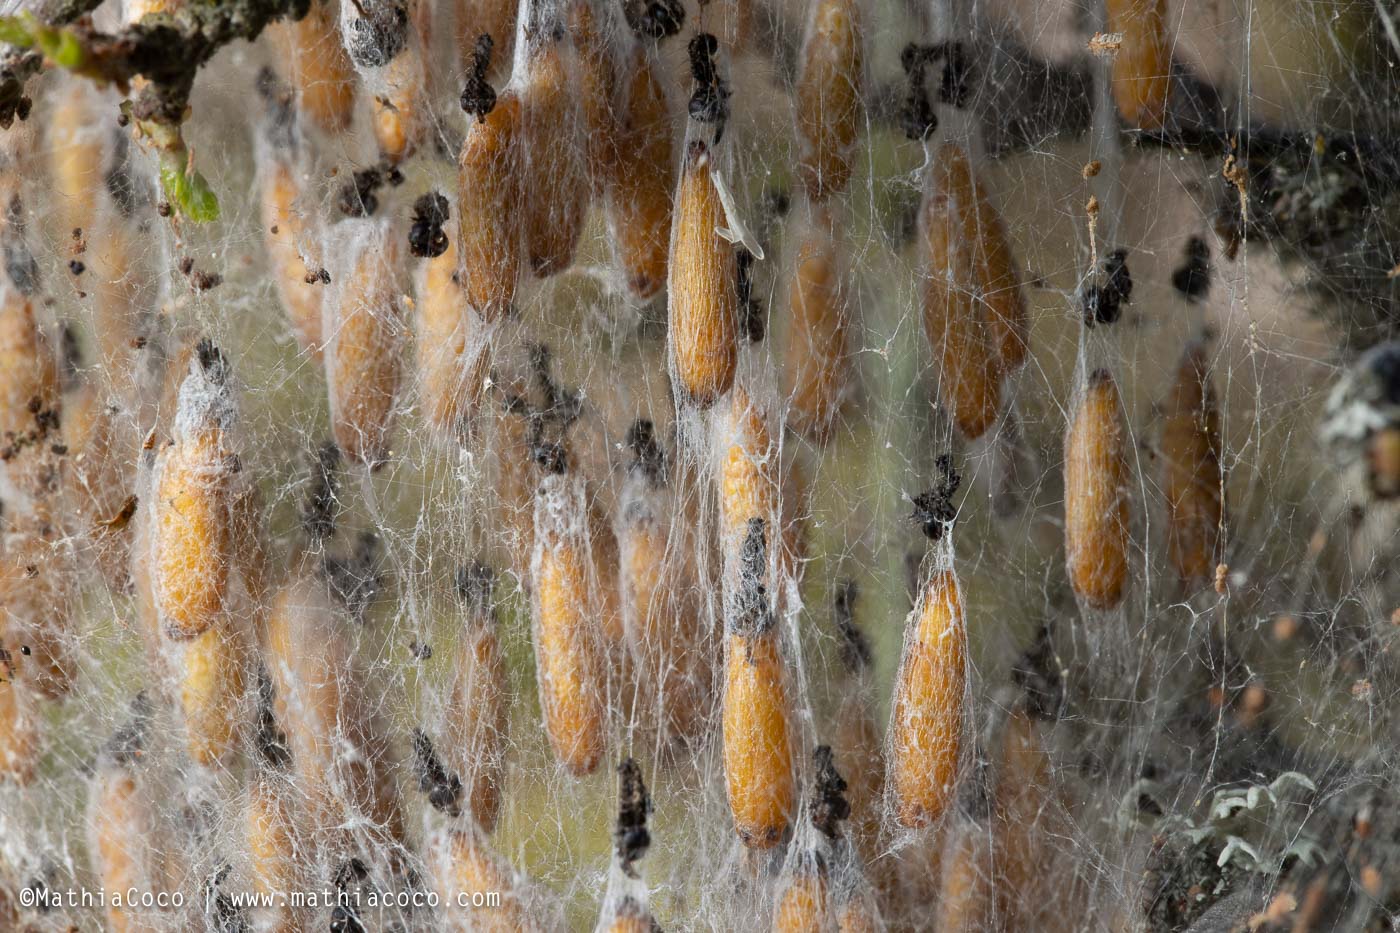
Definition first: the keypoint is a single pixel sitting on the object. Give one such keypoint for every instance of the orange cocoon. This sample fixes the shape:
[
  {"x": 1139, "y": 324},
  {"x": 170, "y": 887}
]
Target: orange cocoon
[
  {"x": 460, "y": 861},
  {"x": 118, "y": 320},
  {"x": 1024, "y": 823},
  {"x": 555, "y": 188},
  {"x": 630, "y": 917},
  {"x": 515, "y": 479},
  {"x": 803, "y": 904},
  {"x": 1383, "y": 462},
  {"x": 495, "y": 18},
  {"x": 120, "y": 829},
  {"x": 99, "y": 479},
  {"x": 211, "y": 670},
  {"x": 19, "y": 730},
  {"x": 276, "y": 849},
  {"x": 477, "y": 714},
  {"x": 924, "y": 744},
  {"x": 310, "y": 682},
  {"x": 453, "y": 347},
  {"x": 965, "y": 343},
  {"x": 1142, "y": 64},
  {"x": 642, "y": 180},
  {"x": 30, "y": 400},
  {"x": 661, "y": 600},
  {"x": 36, "y": 603},
  {"x": 758, "y": 740},
  {"x": 829, "y": 96},
  {"x": 401, "y": 112},
  {"x": 1191, "y": 475},
  {"x": 1000, "y": 288},
  {"x": 662, "y": 616},
  {"x": 76, "y": 156},
  {"x": 816, "y": 339},
  {"x": 321, "y": 70},
  {"x": 364, "y": 338},
  {"x": 570, "y": 661},
  {"x": 856, "y": 740},
  {"x": 859, "y": 914},
  {"x": 965, "y": 901},
  {"x": 326, "y": 705},
  {"x": 595, "y": 84},
  {"x": 285, "y": 232},
  {"x": 192, "y": 547},
  {"x": 703, "y": 323},
  {"x": 488, "y": 209},
  {"x": 748, "y": 471},
  {"x": 1096, "y": 496}
]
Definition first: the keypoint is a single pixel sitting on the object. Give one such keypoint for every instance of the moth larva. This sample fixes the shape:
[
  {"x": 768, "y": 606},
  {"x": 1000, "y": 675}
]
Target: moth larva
[
  {"x": 702, "y": 327},
  {"x": 1096, "y": 495}
]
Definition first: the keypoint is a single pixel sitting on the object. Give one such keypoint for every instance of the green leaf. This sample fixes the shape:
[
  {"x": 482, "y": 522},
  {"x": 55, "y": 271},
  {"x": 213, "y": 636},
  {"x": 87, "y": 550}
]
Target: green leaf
[
  {"x": 61, "y": 47},
  {"x": 69, "y": 53},
  {"x": 203, "y": 205},
  {"x": 16, "y": 30},
  {"x": 189, "y": 193}
]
